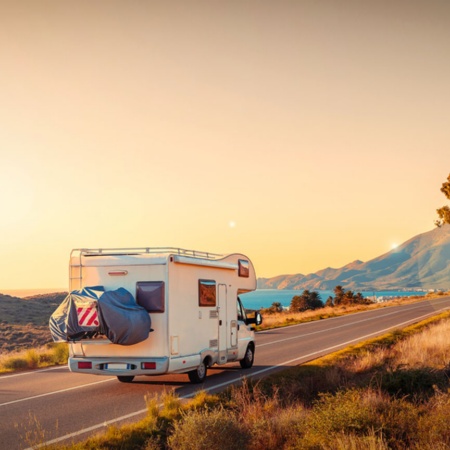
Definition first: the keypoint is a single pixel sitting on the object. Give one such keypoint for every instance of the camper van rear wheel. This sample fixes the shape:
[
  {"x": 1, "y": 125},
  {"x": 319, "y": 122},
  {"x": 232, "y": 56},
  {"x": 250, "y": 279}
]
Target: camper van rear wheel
[
  {"x": 247, "y": 362},
  {"x": 125, "y": 378},
  {"x": 199, "y": 374}
]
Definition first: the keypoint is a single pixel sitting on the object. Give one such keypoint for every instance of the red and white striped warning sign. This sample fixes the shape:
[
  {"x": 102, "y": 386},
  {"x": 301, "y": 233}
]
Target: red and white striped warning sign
[{"x": 87, "y": 316}]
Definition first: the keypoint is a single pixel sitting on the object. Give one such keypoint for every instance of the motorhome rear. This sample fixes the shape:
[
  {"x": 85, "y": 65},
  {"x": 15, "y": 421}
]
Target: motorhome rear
[{"x": 197, "y": 317}]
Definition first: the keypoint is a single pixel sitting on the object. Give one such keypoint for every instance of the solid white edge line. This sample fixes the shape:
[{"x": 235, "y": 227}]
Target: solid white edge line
[
  {"x": 54, "y": 392},
  {"x": 226, "y": 383},
  {"x": 33, "y": 372}
]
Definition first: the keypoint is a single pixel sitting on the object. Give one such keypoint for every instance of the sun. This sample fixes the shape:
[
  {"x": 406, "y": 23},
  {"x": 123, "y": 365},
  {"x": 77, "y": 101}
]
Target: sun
[
  {"x": 394, "y": 246},
  {"x": 232, "y": 224}
]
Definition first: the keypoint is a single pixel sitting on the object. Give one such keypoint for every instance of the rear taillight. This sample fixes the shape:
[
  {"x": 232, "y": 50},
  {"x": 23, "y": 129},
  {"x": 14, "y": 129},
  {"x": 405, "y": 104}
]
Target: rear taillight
[
  {"x": 148, "y": 365},
  {"x": 85, "y": 365}
]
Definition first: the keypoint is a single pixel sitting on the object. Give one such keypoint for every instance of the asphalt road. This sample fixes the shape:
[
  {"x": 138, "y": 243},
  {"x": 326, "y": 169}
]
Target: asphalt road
[{"x": 54, "y": 404}]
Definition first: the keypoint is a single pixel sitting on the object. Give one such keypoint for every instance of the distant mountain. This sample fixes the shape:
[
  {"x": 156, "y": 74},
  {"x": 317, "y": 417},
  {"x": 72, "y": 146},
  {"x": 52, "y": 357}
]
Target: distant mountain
[{"x": 421, "y": 262}]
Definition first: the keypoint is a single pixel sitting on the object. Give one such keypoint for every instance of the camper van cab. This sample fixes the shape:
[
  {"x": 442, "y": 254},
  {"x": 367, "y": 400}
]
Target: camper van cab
[{"x": 197, "y": 318}]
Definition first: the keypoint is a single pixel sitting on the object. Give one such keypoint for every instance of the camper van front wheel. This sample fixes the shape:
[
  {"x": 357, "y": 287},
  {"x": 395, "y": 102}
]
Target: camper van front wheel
[
  {"x": 125, "y": 378},
  {"x": 247, "y": 362},
  {"x": 199, "y": 374}
]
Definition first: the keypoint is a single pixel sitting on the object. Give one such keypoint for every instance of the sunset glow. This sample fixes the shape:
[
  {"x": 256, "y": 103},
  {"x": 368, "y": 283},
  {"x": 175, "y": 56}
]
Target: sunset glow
[{"x": 303, "y": 134}]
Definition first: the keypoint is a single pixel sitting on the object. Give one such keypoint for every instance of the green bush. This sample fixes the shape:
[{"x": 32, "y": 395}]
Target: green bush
[
  {"x": 208, "y": 429},
  {"x": 32, "y": 358},
  {"x": 345, "y": 412},
  {"x": 417, "y": 384},
  {"x": 360, "y": 413},
  {"x": 433, "y": 427},
  {"x": 15, "y": 363},
  {"x": 60, "y": 353}
]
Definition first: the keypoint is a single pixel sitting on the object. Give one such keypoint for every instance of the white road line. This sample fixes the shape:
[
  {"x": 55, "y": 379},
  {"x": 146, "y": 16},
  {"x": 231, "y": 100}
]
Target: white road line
[
  {"x": 226, "y": 383},
  {"x": 55, "y": 392},
  {"x": 34, "y": 372},
  {"x": 327, "y": 330}
]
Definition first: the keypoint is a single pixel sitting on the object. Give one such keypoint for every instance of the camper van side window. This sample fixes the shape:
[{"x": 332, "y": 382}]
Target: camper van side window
[
  {"x": 244, "y": 268},
  {"x": 206, "y": 293},
  {"x": 150, "y": 295},
  {"x": 240, "y": 311}
]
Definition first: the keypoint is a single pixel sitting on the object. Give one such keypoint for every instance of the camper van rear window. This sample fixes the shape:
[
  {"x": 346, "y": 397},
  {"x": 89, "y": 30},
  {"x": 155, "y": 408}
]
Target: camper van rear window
[
  {"x": 150, "y": 295},
  {"x": 206, "y": 293},
  {"x": 244, "y": 270}
]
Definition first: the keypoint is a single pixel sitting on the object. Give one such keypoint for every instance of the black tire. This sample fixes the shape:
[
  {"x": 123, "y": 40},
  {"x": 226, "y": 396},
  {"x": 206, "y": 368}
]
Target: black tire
[
  {"x": 199, "y": 374},
  {"x": 125, "y": 378},
  {"x": 247, "y": 362}
]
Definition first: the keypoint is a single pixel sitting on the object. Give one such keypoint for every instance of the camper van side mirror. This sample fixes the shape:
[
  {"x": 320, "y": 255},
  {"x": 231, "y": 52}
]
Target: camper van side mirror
[{"x": 257, "y": 320}]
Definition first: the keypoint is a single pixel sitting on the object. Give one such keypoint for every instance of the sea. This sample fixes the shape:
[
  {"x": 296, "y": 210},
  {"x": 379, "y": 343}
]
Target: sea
[{"x": 263, "y": 298}]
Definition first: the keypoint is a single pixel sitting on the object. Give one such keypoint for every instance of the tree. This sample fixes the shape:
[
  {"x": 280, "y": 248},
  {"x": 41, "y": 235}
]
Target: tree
[
  {"x": 276, "y": 307},
  {"x": 307, "y": 300},
  {"x": 339, "y": 293},
  {"x": 343, "y": 297},
  {"x": 444, "y": 212}
]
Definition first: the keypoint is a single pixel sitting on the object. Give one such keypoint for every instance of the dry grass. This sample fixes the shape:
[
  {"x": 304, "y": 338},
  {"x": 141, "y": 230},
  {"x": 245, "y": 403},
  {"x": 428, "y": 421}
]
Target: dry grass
[
  {"x": 428, "y": 349},
  {"x": 49, "y": 355}
]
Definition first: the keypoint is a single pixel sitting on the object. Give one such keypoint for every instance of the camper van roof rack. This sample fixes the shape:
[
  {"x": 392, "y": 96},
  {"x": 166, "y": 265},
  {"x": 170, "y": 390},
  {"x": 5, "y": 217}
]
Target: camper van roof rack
[{"x": 144, "y": 250}]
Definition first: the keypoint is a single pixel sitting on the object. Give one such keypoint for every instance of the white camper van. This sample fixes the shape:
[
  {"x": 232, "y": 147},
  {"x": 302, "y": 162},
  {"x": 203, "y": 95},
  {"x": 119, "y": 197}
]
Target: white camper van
[{"x": 197, "y": 317}]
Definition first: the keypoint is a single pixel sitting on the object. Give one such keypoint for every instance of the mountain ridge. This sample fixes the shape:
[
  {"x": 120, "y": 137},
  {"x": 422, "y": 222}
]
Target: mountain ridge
[{"x": 420, "y": 262}]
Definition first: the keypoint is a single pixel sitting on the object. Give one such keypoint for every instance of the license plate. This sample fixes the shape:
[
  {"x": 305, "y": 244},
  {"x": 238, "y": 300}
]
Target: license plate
[{"x": 117, "y": 366}]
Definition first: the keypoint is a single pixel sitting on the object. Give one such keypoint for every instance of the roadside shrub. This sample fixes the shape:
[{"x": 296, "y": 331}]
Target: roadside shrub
[
  {"x": 345, "y": 412},
  {"x": 152, "y": 443},
  {"x": 372, "y": 441},
  {"x": 208, "y": 429},
  {"x": 370, "y": 360},
  {"x": 32, "y": 359},
  {"x": 281, "y": 429},
  {"x": 416, "y": 384},
  {"x": 359, "y": 413},
  {"x": 270, "y": 424},
  {"x": 433, "y": 427},
  {"x": 203, "y": 400},
  {"x": 398, "y": 422},
  {"x": 15, "y": 363},
  {"x": 161, "y": 417},
  {"x": 60, "y": 353},
  {"x": 303, "y": 384},
  {"x": 52, "y": 353}
]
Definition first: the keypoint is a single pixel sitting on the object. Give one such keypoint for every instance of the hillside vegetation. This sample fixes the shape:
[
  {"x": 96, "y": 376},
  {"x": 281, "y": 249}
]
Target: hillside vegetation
[{"x": 24, "y": 321}]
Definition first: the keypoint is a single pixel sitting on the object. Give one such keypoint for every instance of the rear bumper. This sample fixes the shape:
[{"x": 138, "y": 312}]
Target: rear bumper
[{"x": 118, "y": 366}]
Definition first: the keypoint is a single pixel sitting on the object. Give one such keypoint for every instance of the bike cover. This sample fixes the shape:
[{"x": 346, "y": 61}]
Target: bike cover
[{"x": 90, "y": 311}]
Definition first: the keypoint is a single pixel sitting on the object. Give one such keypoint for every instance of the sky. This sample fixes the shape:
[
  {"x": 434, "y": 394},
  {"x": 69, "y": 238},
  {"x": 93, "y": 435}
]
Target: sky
[{"x": 305, "y": 134}]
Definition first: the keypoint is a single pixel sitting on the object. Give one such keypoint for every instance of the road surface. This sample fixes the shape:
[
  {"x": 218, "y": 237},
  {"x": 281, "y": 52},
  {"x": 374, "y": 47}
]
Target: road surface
[{"x": 55, "y": 405}]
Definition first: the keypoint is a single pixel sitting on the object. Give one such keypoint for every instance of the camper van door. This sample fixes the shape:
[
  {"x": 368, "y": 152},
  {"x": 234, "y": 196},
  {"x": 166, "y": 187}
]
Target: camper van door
[{"x": 222, "y": 323}]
